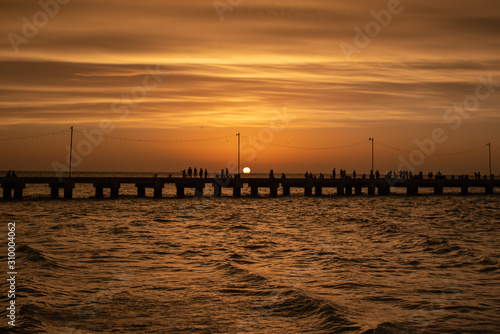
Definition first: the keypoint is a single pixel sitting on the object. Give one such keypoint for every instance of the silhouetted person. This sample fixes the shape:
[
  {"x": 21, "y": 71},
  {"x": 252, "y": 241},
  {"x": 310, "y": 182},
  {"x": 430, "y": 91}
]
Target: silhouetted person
[
  {"x": 201, "y": 172},
  {"x": 184, "y": 174},
  {"x": 334, "y": 173},
  {"x": 364, "y": 176},
  {"x": 271, "y": 174},
  {"x": 321, "y": 176},
  {"x": 283, "y": 176},
  {"x": 8, "y": 174},
  {"x": 14, "y": 174},
  {"x": 195, "y": 172},
  {"x": 354, "y": 174},
  {"x": 227, "y": 173},
  {"x": 377, "y": 174},
  {"x": 371, "y": 174},
  {"x": 306, "y": 175},
  {"x": 206, "y": 173},
  {"x": 222, "y": 173},
  {"x": 190, "y": 172}
]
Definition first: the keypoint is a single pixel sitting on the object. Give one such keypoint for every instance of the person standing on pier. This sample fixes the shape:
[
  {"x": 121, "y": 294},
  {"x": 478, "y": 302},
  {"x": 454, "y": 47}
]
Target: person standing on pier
[
  {"x": 206, "y": 173},
  {"x": 334, "y": 173},
  {"x": 354, "y": 174},
  {"x": 14, "y": 173},
  {"x": 377, "y": 174},
  {"x": 8, "y": 174},
  {"x": 190, "y": 172},
  {"x": 195, "y": 172},
  {"x": 222, "y": 173},
  {"x": 227, "y": 173},
  {"x": 201, "y": 173},
  {"x": 183, "y": 173},
  {"x": 271, "y": 174}
]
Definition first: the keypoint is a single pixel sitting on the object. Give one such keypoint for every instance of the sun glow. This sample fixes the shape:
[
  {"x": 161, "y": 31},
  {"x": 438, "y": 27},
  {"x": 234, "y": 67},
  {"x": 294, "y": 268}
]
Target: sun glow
[{"x": 246, "y": 170}]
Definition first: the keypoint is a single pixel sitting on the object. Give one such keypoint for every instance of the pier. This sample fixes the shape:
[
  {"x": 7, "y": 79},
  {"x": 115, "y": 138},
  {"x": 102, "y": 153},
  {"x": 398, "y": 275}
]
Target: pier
[{"x": 13, "y": 188}]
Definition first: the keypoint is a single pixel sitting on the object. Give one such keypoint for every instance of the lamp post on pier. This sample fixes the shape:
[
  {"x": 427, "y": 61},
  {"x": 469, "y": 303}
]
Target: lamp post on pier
[
  {"x": 489, "y": 151},
  {"x": 70, "y": 151},
  {"x": 373, "y": 161},
  {"x": 238, "y": 134}
]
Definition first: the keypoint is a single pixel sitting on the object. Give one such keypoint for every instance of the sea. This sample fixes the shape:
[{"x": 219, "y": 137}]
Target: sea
[{"x": 331, "y": 264}]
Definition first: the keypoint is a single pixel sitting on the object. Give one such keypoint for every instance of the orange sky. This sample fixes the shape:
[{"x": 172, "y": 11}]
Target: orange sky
[{"x": 216, "y": 77}]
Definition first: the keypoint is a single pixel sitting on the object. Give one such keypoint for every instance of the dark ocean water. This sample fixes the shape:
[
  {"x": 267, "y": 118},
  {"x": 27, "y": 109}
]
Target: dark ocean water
[{"x": 395, "y": 264}]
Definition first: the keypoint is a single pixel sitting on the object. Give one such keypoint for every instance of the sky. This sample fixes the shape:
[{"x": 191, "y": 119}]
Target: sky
[{"x": 306, "y": 79}]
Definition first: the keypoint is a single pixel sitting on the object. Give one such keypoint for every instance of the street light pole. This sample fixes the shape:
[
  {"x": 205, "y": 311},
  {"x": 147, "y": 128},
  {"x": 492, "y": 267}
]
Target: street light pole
[
  {"x": 373, "y": 163},
  {"x": 238, "y": 134},
  {"x": 70, "y": 151},
  {"x": 489, "y": 149}
]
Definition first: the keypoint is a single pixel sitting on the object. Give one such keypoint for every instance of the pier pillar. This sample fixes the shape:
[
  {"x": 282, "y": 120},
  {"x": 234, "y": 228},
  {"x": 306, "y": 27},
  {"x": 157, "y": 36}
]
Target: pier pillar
[
  {"x": 340, "y": 191},
  {"x": 488, "y": 190},
  {"x": 198, "y": 191},
  {"x": 99, "y": 191},
  {"x": 412, "y": 190},
  {"x": 438, "y": 190},
  {"x": 307, "y": 191},
  {"x": 465, "y": 190},
  {"x": 180, "y": 191},
  {"x": 286, "y": 190},
  {"x": 318, "y": 191},
  {"x": 217, "y": 190},
  {"x": 158, "y": 192},
  {"x": 7, "y": 192},
  {"x": 141, "y": 191},
  {"x": 114, "y": 193},
  {"x": 18, "y": 192},
  {"x": 358, "y": 191},
  {"x": 68, "y": 190},
  {"x": 54, "y": 191},
  {"x": 236, "y": 191},
  {"x": 371, "y": 189},
  {"x": 254, "y": 191},
  {"x": 273, "y": 191},
  {"x": 348, "y": 190},
  {"x": 384, "y": 189}
]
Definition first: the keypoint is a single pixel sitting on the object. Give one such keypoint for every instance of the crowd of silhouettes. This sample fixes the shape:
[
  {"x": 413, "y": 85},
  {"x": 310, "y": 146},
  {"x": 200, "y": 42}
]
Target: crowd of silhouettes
[{"x": 195, "y": 173}]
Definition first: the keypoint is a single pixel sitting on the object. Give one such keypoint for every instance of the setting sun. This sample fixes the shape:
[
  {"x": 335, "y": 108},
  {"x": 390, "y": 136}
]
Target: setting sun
[{"x": 246, "y": 170}]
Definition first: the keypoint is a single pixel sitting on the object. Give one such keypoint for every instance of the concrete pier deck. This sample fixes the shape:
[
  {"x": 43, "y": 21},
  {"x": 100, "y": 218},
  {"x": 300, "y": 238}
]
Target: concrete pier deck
[{"x": 13, "y": 188}]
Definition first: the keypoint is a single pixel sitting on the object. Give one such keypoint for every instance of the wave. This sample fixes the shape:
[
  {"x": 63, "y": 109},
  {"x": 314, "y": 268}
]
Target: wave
[{"x": 37, "y": 257}]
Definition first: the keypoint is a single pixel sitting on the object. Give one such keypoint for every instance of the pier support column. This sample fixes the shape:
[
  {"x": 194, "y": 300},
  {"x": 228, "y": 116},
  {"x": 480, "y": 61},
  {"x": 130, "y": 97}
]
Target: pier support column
[
  {"x": 115, "y": 189},
  {"x": 340, "y": 191},
  {"x": 7, "y": 192},
  {"x": 488, "y": 190},
  {"x": 348, "y": 190},
  {"x": 465, "y": 190},
  {"x": 180, "y": 191},
  {"x": 318, "y": 191},
  {"x": 141, "y": 191},
  {"x": 308, "y": 191},
  {"x": 54, "y": 191},
  {"x": 358, "y": 191},
  {"x": 384, "y": 189},
  {"x": 273, "y": 191},
  {"x": 371, "y": 189},
  {"x": 99, "y": 191},
  {"x": 68, "y": 190},
  {"x": 412, "y": 190},
  {"x": 236, "y": 191},
  {"x": 198, "y": 191},
  {"x": 217, "y": 189},
  {"x": 18, "y": 192},
  {"x": 438, "y": 190},
  {"x": 158, "y": 192},
  {"x": 254, "y": 191},
  {"x": 286, "y": 190}
]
